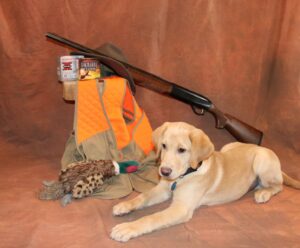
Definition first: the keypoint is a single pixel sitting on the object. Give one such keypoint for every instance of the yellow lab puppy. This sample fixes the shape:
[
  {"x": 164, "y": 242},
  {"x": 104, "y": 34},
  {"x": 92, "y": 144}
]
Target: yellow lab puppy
[{"x": 222, "y": 177}]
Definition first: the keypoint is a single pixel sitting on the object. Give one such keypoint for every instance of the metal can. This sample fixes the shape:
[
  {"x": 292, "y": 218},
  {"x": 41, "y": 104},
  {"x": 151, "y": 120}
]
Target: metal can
[
  {"x": 89, "y": 68},
  {"x": 68, "y": 68}
]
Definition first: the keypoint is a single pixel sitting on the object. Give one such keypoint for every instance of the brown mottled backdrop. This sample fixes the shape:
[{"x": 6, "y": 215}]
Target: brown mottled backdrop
[{"x": 244, "y": 55}]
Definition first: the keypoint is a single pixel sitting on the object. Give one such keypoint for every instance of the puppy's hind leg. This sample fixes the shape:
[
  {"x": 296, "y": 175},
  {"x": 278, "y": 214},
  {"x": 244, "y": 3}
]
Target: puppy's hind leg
[
  {"x": 267, "y": 168},
  {"x": 264, "y": 194}
]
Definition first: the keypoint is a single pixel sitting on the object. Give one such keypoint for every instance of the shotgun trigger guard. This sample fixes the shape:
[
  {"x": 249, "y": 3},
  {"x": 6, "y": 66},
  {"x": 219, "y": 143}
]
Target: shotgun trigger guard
[{"x": 198, "y": 111}]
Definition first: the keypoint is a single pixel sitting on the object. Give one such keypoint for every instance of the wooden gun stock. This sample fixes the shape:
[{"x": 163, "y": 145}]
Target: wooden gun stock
[{"x": 238, "y": 129}]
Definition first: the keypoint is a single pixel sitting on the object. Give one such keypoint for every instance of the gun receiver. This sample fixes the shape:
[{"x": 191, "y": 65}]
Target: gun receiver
[{"x": 238, "y": 129}]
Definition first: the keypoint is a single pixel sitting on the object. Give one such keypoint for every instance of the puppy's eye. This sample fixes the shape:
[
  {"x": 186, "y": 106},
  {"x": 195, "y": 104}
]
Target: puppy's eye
[
  {"x": 181, "y": 150},
  {"x": 164, "y": 146}
]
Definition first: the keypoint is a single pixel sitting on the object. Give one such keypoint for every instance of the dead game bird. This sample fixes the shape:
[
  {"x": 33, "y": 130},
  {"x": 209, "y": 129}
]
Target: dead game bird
[{"x": 81, "y": 179}]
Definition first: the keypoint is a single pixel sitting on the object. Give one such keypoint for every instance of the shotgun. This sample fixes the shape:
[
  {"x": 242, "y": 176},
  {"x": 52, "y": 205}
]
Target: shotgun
[{"x": 199, "y": 103}]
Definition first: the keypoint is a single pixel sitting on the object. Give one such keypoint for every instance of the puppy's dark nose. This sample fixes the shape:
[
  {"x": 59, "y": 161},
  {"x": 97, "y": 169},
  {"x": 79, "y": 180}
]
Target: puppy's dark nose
[{"x": 165, "y": 171}]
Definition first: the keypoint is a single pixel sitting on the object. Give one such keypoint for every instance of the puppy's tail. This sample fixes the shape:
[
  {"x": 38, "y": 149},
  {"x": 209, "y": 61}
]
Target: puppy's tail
[{"x": 287, "y": 180}]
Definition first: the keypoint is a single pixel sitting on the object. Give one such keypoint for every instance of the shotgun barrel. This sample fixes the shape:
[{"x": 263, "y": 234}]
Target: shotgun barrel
[{"x": 238, "y": 129}]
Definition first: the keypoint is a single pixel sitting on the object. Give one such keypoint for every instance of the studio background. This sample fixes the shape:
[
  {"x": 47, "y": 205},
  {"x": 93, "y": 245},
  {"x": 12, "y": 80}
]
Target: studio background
[{"x": 243, "y": 55}]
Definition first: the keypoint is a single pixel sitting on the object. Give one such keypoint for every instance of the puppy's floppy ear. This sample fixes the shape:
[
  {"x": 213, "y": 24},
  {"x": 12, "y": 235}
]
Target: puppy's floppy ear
[
  {"x": 202, "y": 147},
  {"x": 157, "y": 136}
]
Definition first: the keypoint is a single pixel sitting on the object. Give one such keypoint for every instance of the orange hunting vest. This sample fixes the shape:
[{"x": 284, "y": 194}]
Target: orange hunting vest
[{"x": 108, "y": 106}]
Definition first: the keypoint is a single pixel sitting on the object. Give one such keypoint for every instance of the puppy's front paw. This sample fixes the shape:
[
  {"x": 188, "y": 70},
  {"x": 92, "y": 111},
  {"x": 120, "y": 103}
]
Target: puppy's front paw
[
  {"x": 124, "y": 232},
  {"x": 122, "y": 208}
]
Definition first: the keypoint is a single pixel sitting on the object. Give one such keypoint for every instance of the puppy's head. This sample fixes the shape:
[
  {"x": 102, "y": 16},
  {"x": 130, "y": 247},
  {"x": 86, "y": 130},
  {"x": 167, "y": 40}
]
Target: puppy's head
[{"x": 180, "y": 146}]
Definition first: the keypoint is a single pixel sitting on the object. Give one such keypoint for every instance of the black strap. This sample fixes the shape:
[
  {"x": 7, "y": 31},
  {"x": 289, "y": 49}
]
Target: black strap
[{"x": 190, "y": 170}]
